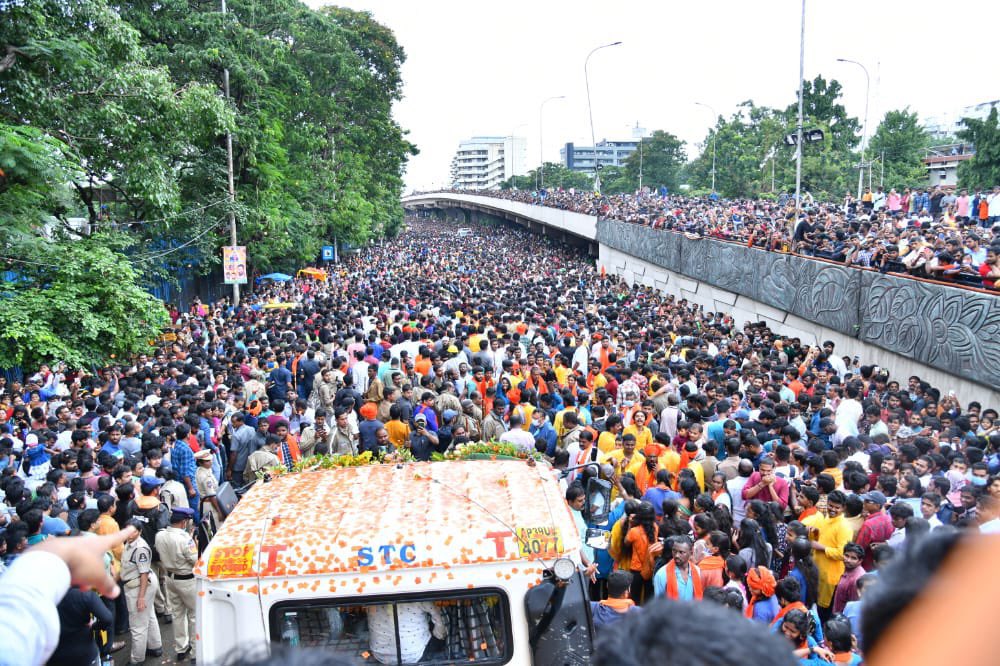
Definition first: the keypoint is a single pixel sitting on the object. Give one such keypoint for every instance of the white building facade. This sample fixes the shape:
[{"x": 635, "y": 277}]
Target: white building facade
[
  {"x": 943, "y": 126},
  {"x": 606, "y": 154},
  {"x": 484, "y": 162}
]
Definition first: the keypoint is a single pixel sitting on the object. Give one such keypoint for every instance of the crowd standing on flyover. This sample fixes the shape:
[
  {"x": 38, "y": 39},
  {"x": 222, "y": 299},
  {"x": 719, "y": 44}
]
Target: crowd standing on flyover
[
  {"x": 763, "y": 473},
  {"x": 939, "y": 234}
]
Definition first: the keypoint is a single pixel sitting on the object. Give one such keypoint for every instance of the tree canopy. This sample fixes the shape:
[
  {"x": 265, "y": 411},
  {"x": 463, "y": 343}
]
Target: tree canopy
[
  {"x": 750, "y": 146},
  {"x": 555, "y": 176},
  {"x": 115, "y": 113},
  {"x": 983, "y": 170},
  {"x": 661, "y": 159},
  {"x": 900, "y": 142}
]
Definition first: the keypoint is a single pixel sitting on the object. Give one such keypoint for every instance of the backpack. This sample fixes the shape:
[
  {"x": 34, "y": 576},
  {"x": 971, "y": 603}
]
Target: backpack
[{"x": 153, "y": 520}]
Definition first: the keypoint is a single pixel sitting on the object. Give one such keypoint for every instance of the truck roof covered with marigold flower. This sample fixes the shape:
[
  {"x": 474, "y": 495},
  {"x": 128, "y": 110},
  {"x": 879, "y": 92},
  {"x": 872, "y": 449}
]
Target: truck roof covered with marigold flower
[{"x": 331, "y": 519}]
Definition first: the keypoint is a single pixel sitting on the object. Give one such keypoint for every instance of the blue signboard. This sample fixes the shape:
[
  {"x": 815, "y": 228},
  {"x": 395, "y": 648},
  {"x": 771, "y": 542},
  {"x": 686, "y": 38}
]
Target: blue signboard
[{"x": 327, "y": 253}]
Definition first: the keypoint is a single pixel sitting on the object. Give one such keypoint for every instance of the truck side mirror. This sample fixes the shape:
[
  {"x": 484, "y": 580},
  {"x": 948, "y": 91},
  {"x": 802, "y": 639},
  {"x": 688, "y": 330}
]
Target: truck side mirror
[{"x": 598, "y": 504}]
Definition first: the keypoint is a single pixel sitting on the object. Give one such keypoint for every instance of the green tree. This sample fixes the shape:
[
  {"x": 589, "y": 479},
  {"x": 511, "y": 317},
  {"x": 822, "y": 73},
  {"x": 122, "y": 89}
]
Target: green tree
[
  {"x": 827, "y": 165},
  {"x": 901, "y": 141},
  {"x": 746, "y": 145},
  {"x": 79, "y": 301},
  {"x": 317, "y": 152},
  {"x": 35, "y": 171},
  {"x": 983, "y": 170},
  {"x": 555, "y": 176},
  {"x": 616, "y": 180},
  {"x": 662, "y": 159},
  {"x": 80, "y": 75}
]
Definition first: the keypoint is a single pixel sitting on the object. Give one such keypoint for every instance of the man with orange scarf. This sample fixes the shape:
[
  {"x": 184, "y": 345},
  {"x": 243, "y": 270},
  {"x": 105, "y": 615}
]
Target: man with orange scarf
[
  {"x": 762, "y": 606},
  {"x": 680, "y": 579},
  {"x": 482, "y": 381},
  {"x": 618, "y": 604}
]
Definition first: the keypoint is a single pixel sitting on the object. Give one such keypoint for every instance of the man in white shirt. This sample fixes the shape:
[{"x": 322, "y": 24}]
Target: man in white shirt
[
  {"x": 414, "y": 630},
  {"x": 735, "y": 487},
  {"x": 838, "y": 363},
  {"x": 849, "y": 413},
  {"x": 517, "y": 436}
]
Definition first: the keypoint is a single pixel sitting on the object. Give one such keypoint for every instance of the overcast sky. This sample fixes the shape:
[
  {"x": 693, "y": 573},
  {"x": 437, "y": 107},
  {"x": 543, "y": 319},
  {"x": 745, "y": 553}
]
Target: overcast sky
[{"x": 483, "y": 68}]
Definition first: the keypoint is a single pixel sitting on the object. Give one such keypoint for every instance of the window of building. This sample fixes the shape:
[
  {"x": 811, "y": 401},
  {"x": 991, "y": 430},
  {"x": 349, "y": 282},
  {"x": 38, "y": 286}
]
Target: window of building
[{"x": 425, "y": 629}]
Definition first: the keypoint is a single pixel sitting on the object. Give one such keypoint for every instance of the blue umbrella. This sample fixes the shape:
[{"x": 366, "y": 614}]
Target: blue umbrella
[{"x": 276, "y": 277}]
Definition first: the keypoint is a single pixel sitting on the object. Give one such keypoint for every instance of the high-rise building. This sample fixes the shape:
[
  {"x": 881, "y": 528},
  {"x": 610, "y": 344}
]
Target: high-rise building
[
  {"x": 484, "y": 162},
  {"x": 608, "y": 153},
  {"x": 943, "y": 126}
]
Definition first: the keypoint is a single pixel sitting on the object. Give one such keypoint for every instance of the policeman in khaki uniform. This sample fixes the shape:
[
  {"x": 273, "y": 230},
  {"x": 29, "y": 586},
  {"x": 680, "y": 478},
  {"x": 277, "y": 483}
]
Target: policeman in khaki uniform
[
  {"x": 140, "y": 585},
  {"x": 178, "y": 555}
]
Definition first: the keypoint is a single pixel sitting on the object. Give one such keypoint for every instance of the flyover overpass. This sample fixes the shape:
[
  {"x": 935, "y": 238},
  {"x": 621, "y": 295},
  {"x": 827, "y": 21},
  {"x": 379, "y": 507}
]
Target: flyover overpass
[
  {"x": 574, "y": 228},
  {"x": 946, "y": 335}
]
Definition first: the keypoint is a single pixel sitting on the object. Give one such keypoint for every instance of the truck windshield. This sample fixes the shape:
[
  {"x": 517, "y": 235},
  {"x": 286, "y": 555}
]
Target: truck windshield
[{"x": 410, "y": 629}]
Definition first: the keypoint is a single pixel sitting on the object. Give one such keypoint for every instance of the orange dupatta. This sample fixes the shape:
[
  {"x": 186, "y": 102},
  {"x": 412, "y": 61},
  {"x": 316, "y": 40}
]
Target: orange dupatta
[{"x": 671, "y": 591}]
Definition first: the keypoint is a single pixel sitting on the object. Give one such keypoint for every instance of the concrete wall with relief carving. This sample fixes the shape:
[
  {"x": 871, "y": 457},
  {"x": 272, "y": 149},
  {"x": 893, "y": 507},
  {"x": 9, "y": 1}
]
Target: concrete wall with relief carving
[{"x": 953, "y": 330}]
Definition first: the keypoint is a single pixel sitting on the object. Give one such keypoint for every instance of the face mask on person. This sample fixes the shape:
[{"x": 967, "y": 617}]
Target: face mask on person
[
  {"x": 978, "y": 481},
  {"x": 461, "y": 440}
]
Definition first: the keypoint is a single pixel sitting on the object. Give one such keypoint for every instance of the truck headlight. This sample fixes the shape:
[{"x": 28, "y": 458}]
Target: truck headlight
[{"x": 563, "y": 569}]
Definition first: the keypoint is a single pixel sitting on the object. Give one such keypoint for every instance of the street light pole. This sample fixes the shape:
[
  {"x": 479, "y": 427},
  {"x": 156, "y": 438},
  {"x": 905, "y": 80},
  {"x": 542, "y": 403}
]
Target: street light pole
[
  {"x": 714, "y": 133},
  {"x": 540, "y": 181},
  {"x": 229, "y": 176},
  {"x": 864, "y": 127},
  {"x": 590, "y": 112},
  {"x": 640, "y": 164},
  {"x": 798, "y": 142},
  {"x": 509, "y": 159}
]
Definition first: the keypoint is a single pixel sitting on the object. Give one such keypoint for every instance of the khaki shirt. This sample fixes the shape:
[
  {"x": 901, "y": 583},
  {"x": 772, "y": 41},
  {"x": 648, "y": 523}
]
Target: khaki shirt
[
  {"x": 343, "y": 443},
  {"x": 261, "y": 459},
  {"x": 205, "y": 482},
  {"x": 310, "y": 440},
  {"x": 177, "y": 549},
  {"x": 447, "y": 401},
  {"x": 136, "y": 560}
]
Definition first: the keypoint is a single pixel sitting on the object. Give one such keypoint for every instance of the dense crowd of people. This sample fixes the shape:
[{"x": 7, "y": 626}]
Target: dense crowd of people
[
  {"x": 937, "y": 233},
  {"x": 766, "y": 474}
]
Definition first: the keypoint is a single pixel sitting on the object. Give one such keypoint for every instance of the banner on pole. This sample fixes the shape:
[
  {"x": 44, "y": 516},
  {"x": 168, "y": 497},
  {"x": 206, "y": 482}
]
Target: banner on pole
[{"x": 234, "y": 264}]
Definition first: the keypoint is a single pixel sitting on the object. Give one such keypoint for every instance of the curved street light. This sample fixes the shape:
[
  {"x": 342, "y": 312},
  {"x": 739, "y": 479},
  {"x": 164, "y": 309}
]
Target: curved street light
[
  {"x": 864, "y": 127},
  {"x": 590, "y": 111}
]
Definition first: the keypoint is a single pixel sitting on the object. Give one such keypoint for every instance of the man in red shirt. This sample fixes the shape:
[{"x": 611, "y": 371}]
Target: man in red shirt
[
  {"x": 989, "y": 270},
  {"x": 876, "y": 529},
  {"x": 766, "y": 486}
]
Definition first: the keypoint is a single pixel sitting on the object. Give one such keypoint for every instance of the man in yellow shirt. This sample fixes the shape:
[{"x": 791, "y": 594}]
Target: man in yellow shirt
[
  {"x": 596, "y": 378},
  {"x": 560, "y": 370},
  {"x": 625, "y": 459},
  {"x": 829, "y": 536},
  {"x": 643, "y": 435},
  {"x": 613, "y": 428}
]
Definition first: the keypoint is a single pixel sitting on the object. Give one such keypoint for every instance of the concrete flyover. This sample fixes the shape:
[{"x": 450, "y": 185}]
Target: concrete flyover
[
  {"x": 573, "y": 228},
  {"x": 946, "y": 335}
]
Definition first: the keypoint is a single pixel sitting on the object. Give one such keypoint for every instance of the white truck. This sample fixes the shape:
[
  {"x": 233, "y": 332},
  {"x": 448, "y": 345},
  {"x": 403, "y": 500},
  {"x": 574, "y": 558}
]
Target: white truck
[{"x": 473, "y": 562}]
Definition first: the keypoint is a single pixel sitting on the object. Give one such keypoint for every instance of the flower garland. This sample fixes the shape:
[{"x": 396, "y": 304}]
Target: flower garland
[
  {"x": 333, "y": 461},
  {"x": 491, "y": 450}
]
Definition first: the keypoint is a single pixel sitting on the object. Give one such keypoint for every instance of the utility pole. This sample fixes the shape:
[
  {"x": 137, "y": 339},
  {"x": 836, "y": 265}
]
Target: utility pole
[
  {"x": 640, "y": 164},
  {"x": 229, "y": 176},
  {"x": 798, "y": 143},
  {"x": 715, "y": 116}
]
